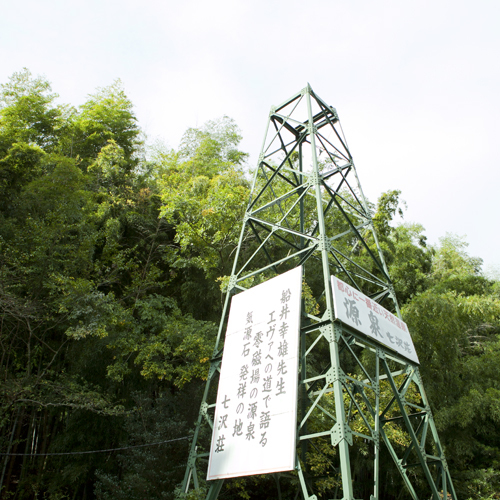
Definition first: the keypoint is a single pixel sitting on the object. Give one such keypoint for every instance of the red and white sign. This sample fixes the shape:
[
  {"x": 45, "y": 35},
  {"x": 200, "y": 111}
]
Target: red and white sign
[
  {"x": 367, "y": 316},
  {"x": 255, "y": 418}
]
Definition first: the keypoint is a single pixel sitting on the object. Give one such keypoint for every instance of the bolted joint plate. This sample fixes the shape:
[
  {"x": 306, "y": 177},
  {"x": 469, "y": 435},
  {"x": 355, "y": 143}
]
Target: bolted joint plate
[
  {"x": 204, "y": 408},
  {"x": 324, "y": 243},
  {"x": 231, "y": 284},
  {"x": 340, "y": 432},
  {"x": 380, "y": 354},
  {"x": 311, "y": 128},
  {"x": 335, "y": 373},
  {"x": 330, "y": 333},
  {"x": 212, "y": 370},
  {"x": 191, "y": 459},
  {"x": 327, "y": 315},
  {"x": 314, "y": 179},
  {"x": 337, "y": 328}
]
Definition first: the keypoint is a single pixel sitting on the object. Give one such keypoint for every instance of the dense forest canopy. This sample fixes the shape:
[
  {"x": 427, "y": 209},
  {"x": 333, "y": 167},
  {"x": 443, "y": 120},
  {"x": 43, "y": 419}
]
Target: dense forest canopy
[{"x": 113, "y": 258}]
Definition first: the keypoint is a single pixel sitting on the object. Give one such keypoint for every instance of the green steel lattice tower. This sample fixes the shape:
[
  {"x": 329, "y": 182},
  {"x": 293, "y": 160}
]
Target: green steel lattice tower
[{"x": 307, "y": 208}]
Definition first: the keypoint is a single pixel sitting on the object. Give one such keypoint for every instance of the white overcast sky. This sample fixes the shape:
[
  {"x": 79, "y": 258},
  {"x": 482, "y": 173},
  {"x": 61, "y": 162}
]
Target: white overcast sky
[{"x": 416, "y": 84}]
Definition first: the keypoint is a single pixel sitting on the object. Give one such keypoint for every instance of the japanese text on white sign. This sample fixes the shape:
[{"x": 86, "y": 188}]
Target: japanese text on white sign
[
  {"x": 367, "y": 316},
  {"x": 256, "y": 410}
]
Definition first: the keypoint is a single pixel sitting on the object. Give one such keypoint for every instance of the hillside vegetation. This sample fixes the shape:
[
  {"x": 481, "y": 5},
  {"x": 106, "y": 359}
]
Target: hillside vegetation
[{"x": 112, "y": 257}]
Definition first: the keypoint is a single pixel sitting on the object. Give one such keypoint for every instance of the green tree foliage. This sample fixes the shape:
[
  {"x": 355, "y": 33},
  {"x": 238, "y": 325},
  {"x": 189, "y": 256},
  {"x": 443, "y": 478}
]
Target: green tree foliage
[
  {"x": 151, "y": 472},
  {"x": 455, "y": 324},
  {"x": 110, "y": 275},
  {"x": 106, "y": 116},
  {"x": 93, "y": 302},
  {"x": 453, "y": 314},
  {"x": 204, "y": 193},
  {"x": 28, "y": 112},
  {"x": 405, "y": 249}
]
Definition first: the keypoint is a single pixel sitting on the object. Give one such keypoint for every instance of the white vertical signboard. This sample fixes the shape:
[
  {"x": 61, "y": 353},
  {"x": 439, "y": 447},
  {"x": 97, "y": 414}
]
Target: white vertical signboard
[
  {"x": 367, "y": 316},
  {"x": 256, "y": 411}
]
